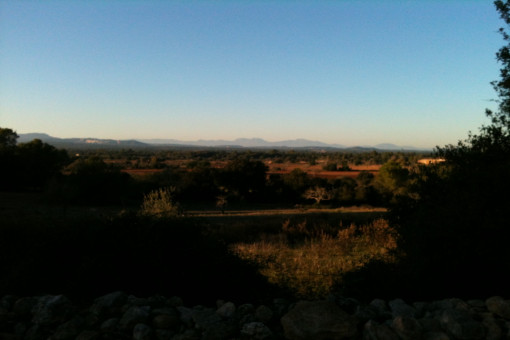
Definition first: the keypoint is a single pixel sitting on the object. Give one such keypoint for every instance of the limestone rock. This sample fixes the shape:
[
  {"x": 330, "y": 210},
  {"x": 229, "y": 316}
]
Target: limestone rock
[
  {"x": 108, "y": 305},
  {"x": 166, "y": 321},
  {"x": 220, "y": 331},
  {"x": 400, "y": 308},
  {"x": 430, "y": 325},
  {"x": 142, "y": 331},
  {"x": 227, "y": 310},
  {"x": 499, "y": 306},
  {"x": 375, "y": 331},
  {"x": 459, "y": 324},
  {"x": 23, "y": 306},
  {"x": 87, "y": 335},
  {"x": 164, "y": 334},
  {"x": 381, "y": 307},
  {"x": 185, "y": 315},
  {"x": 245, "y": 309},
  {"x": 69, "y": 330},
  {"x": 493, "y": 327},
  {"x": 436, "y": 336},
  {"x": 204, "y": 318},
  {"x": 318, "y": 320},
  {"x": 256, "y": 331},
  {"x": 407, "y": 328},
  {"x": 280, "y": 306},
  {"x": 110, "y": 324},
  {"x": 52, "y": 309},
  {"x": 264, "y": 314},
  {"x": 133, "y": 316},
  {"x": 175, "y": 301},
  {"x": 365, "y": 313},
  {"x": 189, "y": 334}
]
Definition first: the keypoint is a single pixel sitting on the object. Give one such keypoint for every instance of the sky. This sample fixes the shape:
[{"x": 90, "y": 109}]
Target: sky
[{"x": 411, "y": 73}]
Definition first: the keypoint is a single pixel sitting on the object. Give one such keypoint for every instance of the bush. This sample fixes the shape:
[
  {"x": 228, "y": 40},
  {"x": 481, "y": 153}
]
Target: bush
[
  {"x": 330, "y": 167},
  {"x": 160, "y": 203},
  {"x": 312, "y": 260}
]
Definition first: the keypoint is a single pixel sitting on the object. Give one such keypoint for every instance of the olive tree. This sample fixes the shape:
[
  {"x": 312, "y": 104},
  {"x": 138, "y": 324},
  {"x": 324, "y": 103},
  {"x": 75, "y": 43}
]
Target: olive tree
[{"x": 7, "y": 138}]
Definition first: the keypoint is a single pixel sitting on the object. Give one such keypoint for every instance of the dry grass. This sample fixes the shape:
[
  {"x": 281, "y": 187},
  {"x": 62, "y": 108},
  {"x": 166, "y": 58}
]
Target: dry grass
[
  {"x": 310, "y": 260},
  {"x": 304, "y": 211}
]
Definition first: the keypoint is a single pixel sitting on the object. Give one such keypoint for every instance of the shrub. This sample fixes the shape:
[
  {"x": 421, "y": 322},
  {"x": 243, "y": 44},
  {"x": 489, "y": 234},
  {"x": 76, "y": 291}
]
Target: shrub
[
  {"x": 160, "y": 203},
  {"x": 330, "y": 167},
  {"x": 311, "y": 262}
]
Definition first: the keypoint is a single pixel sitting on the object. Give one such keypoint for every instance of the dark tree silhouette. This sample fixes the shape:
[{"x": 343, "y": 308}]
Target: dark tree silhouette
[
  {"x": 39, "y": 162},
  {"x": 454, "y": 219},
  {"x": 7, "y": 138},
  {"x": 245, "y": 178}
]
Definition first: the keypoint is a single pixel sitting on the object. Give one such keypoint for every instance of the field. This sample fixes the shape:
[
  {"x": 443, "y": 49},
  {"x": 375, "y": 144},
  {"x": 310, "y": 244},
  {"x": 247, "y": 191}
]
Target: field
[
  {"x": 199, "y": 224},
  {"x": 315, "y": 170}
]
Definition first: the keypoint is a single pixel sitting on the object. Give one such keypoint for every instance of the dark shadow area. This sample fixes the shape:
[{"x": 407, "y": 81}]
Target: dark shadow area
[{"x": 88, "y": 257}]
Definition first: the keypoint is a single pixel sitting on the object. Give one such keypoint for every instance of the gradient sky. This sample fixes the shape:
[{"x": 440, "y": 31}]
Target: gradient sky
[{"x": 349, "y": 72}]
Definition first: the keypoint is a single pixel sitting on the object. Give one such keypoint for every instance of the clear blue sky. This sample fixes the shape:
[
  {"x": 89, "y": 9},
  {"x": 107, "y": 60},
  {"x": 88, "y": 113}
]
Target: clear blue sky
[{"x": 349, "y": 72}]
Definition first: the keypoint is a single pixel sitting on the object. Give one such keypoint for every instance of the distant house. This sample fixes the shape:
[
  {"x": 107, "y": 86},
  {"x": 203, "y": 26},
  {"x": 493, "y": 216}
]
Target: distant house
[{"x": 428, "y": 161}]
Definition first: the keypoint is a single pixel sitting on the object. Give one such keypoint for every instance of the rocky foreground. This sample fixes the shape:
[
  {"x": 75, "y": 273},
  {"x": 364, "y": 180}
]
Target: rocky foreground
[{"x": 119, "y": 316}]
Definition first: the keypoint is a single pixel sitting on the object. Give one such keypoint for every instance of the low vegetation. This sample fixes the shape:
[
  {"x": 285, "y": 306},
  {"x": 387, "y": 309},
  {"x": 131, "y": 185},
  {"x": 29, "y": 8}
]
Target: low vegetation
[
  {"x": 310, "y": 261},
  {"x": 160, "y": 203}
]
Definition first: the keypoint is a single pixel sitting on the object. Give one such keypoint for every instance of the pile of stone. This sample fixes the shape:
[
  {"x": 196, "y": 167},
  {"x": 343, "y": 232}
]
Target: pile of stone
[{"x": 119, "y": 316}]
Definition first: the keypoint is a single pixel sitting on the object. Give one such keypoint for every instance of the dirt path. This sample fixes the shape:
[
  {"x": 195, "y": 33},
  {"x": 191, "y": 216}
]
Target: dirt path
[{"x": 267, "y": 212}]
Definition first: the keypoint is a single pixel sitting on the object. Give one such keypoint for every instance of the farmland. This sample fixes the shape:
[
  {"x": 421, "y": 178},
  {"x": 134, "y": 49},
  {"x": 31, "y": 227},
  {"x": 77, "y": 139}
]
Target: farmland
[
  {"x": 105, "y": 202},
  {"x": 315, "y": 170}
]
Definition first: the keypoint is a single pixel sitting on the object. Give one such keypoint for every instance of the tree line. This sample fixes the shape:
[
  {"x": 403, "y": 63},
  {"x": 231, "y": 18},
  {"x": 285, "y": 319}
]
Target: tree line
[
  {"x": 96, "y": 177},
  {"x": 157, "y": 158}
]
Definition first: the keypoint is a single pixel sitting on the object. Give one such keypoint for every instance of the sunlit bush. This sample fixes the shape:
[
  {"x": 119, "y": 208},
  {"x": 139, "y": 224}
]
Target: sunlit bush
[
  {"x": 315, "y": 264},
  {"x": 160, "y": 203}
]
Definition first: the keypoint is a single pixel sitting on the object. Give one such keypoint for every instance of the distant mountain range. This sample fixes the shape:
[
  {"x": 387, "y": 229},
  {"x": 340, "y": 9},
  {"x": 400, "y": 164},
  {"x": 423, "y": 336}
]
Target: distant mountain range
[
  {"x": 80, "y": 143},
  {"x": 246, "y": 143},
  {"x": 96, "y": 143}
]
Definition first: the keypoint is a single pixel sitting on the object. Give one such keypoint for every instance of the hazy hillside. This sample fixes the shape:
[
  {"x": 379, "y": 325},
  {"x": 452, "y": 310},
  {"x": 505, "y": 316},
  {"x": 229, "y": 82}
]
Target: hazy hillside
[
  {"x": 80, "y": 142},
  {"x": 237, "y": 143}
]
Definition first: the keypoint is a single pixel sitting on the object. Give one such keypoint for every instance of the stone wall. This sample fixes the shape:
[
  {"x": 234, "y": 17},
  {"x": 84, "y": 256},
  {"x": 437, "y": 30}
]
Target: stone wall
[{"x": 119, "y": 316}]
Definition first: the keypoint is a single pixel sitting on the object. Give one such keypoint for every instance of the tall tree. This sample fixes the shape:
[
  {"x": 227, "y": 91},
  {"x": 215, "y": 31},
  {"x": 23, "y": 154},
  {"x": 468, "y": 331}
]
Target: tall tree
[
  {"x": 492, "y": 143},
  {"x": 454, "y": 226}
]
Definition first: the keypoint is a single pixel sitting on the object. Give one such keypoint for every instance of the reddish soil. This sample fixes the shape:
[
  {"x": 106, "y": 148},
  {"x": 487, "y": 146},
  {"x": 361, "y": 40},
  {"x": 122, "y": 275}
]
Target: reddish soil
[
  {"x": 317, "y": 171},
  {"x": 141, "y": 172},
  {"x": 279, "y": 168},
  {"x": 325, "y": 174}
]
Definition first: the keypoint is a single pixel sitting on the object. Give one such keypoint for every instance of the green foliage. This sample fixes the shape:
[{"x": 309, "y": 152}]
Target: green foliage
[
  {"x": 93, "y": 182},
  {"x": 28, "y": 165},
  {"x": 330, "y": 167},
  {"x": 365, "y": 189},
  {"x": 7, "y": 138},
  {"x": 297, "y": 180},
  {"x": 39, "y": 162},
  {"x": 344, "y": 190},
  {"x": 392, "y": 180},
  {"x": 160, "y": 203},
  {"x": 244, "y": 178},
  {"x": 201, "y": 184}
]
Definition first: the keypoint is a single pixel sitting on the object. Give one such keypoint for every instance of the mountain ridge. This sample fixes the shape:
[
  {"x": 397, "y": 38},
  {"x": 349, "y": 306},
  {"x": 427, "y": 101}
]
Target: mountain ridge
[{"x": 237, "y": 143}]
